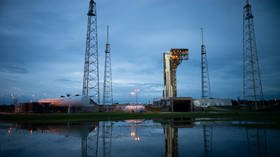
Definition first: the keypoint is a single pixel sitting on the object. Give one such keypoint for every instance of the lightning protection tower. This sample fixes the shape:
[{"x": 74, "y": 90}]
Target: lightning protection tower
[
  {"x": 107, "y": 99},
  {"x": 91, "y": 71},
  {"x": 107, "y": 88},
  {"x": 252, "y": 85},
  {"x": 205, "y": 93},
  {"x": 205, "y": 81}
]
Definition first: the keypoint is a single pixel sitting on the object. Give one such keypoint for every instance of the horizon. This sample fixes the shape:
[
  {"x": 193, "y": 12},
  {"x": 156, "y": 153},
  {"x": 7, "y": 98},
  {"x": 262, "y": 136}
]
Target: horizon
[{"x": 43, "y": 46}]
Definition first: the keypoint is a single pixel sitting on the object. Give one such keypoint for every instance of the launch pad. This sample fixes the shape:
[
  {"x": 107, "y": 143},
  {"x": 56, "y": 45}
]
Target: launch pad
[{"x": 175, "y": 104}]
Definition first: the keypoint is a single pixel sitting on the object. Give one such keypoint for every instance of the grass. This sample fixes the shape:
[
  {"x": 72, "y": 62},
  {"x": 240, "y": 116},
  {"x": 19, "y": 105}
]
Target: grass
[{"x": 104, "y": 116}]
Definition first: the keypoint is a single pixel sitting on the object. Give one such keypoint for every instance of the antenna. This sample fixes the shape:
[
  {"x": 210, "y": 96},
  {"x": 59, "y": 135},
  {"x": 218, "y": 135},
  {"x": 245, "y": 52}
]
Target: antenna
[
  {"x": 107, "y": 88},
  {"x": 205, "y": 81},
  {"x": 107, "y": 42},
  {"x": 252, "y": 85},
  {"x": 91, "y": 69},
  {"x": 202, "y": 41}
]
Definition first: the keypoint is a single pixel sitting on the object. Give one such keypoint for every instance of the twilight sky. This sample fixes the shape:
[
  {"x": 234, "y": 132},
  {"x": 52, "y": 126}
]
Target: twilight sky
[{"x": 42, "y": 46}]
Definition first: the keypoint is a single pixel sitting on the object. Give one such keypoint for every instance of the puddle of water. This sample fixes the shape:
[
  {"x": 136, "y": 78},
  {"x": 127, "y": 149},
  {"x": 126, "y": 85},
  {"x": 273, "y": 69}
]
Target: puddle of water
[{"x": 137, "y": 138}]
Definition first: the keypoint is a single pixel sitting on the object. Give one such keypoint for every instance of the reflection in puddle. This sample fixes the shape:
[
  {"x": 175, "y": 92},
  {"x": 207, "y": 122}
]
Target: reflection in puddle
[
  {"x": 257, "y": 142},
  {"x": 170, "y": 138},
  {"x": 133, "y": 129},
  {"x": 171, "y": 135}
]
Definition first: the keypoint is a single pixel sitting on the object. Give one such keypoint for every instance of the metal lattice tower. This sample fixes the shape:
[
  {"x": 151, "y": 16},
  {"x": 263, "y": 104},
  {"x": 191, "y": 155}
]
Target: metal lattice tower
[
  {"x": 205, "y": 93},
  {"x": 107, "y": 88},
  {"x": 205, "y": 81},
  {"x": 252, "y": 85},
  {"x": 107, "y": 99},
  {"x": 91, "y": 69}
]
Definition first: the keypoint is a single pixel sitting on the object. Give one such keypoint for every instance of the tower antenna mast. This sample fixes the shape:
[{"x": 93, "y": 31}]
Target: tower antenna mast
[
  {"x": 91, "y": 69},
  {"x": 205, "y": 80},
  {"x": 252, "y": 85},
  {"x": 107, "y": 88},
  {"x": 107, "y": 99}
]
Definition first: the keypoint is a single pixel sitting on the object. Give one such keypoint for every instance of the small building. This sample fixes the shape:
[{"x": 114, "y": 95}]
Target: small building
[
  {"x": 212, "y": 102},
  {"x": 56, "y": 105},
  {"x": 134, "y": 108}
]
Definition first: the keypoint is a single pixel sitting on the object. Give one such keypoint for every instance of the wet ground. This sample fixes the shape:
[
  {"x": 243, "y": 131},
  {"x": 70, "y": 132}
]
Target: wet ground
[{"x": 139, "y": 138}]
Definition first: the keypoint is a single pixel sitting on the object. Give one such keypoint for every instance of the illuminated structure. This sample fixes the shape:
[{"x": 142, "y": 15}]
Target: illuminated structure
[
  {"x": 135, "y": 92},
  {"x": 107, "y": 88},
  {"x": 170, "y": 101},
  {"x": 91, "y": 69},
  {"x": 134, "y": 108},
  {"x": 252, "y": 85},
  {"x": 171, "y": 61},
  {"x": 205, "y": 81},
  {"x": 74, "y": 101}
]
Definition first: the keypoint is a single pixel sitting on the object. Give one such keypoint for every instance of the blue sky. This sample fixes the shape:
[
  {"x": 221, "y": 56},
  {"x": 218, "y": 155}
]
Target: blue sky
[{"x": 42, "y": 46}]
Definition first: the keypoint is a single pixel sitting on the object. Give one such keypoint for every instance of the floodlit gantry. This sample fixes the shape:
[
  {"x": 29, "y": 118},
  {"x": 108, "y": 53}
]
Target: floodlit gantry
[{"x": 171, "y": 61}]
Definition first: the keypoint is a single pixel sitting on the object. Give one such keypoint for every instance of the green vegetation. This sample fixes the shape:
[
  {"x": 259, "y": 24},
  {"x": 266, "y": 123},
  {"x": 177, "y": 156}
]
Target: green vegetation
[{"x": 103, "y": 116}]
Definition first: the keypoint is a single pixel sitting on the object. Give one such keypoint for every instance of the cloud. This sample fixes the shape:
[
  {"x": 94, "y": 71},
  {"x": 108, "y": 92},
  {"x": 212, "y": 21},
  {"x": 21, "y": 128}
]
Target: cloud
[
  {"x": 65, "y": 80},
  {"x": 13, "y": 69}
]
